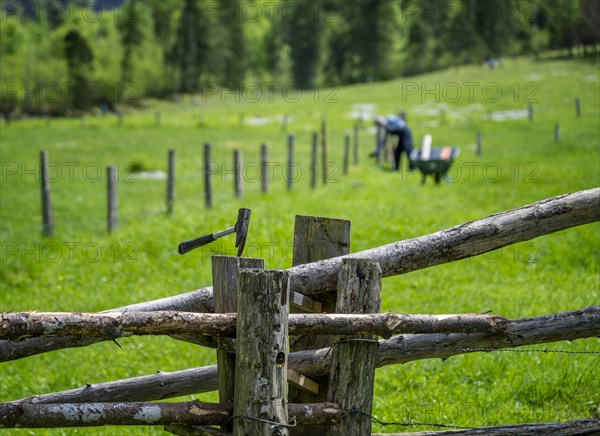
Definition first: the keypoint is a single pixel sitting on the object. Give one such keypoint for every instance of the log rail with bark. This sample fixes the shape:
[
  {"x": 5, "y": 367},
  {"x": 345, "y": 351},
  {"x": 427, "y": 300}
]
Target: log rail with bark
[
  {"x": 459, "y": 242},
  {"x": 32, "y": 415},
  {"x": 564, "y": 326},
  {"x": 113, "y": 325}
]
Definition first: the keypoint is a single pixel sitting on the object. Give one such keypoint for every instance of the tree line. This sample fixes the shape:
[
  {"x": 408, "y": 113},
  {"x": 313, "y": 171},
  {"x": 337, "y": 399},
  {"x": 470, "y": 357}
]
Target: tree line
[{"x": 71, "y": 56}]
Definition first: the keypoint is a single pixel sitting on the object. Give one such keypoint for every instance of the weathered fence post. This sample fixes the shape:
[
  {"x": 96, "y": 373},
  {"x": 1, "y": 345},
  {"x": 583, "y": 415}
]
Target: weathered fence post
[
  {"x": 237, "y": 174},
  {"x": 324, "y": 150},
  {"x": 290, "y": 169},
  {"x": 225, "y": 272},
  {"x": 313, "y": 161},
  {"x": 284, "y": 122},
  {"x": 170, "y": 181},
  {"x": 577, "y": 107},
  {"x": 556, "y": 132},
  {"x": 478, "y": 146},
  {"x": 530, "y": 112},
  {"x": 261, "y": 354},
  {"x": 264, "y": 168},
  {"x": 316, "y": 238},
  {"x": 353, "y": 359},
  {"x": 356, "y": 126},
  {"x": 346, "y": 153},
  {"x": 113, "y": 202},
  {"x": 207, "y": 169},
  {"x": 47, "y": 210}
]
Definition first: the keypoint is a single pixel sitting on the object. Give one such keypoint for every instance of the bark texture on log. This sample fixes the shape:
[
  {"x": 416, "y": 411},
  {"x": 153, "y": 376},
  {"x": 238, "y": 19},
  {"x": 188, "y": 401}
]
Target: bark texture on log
[
  {"x": 96, "y": 414},
  {"x": 459, "y": 242},
  {"x": 564, "y": 326},
  {"x": 200, "y": 300},
  {"x": 582, "y": 427},
  {"x": 112, "y": 325},
  {"x": 35, "y": 415},
  {"x": 188, "y": 325}
]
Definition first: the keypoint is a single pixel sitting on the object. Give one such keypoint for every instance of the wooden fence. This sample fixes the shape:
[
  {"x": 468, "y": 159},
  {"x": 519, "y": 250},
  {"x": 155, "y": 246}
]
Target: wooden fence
[
  {"x": 324, "y": 166},
  {"x": 313, "y": 326}
]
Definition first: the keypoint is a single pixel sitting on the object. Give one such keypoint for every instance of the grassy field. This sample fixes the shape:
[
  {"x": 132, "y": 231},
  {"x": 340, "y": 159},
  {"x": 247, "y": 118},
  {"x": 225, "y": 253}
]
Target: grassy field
[{"x": 84, "y": 269}]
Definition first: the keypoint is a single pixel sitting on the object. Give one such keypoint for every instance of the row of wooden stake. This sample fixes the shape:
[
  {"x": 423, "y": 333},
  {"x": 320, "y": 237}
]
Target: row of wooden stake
[{"x": 48, "y": 222}]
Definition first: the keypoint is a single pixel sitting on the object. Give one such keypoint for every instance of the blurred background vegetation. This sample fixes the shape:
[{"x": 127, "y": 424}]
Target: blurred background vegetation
[{"x": 60, "y": 57}]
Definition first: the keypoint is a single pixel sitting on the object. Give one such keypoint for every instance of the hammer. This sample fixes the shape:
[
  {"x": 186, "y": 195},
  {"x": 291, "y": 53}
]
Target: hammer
[{"x": 240, "y": 229}]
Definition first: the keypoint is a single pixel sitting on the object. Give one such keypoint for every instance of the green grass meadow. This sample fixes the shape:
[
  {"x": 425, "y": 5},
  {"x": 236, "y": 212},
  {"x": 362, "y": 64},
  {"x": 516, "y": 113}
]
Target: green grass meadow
[{"x": 82, "y": 268}]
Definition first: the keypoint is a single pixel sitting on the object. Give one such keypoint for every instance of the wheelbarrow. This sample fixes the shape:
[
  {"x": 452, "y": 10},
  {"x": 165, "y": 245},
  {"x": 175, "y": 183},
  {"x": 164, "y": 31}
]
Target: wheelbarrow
[{"x": 435, "y": 161}]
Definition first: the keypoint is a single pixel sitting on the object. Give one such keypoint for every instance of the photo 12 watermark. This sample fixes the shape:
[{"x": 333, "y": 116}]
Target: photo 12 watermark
[
  {"x": 253, "y": 92},
  {"x": 487, "y": 172},
  {"x": 69, "y": 172},
  {"x": 67, "y": 91},
  {"x": 453, "y": 92},
  {"x": 69, "y": 251},
  {"x": 253, "y": 172}
]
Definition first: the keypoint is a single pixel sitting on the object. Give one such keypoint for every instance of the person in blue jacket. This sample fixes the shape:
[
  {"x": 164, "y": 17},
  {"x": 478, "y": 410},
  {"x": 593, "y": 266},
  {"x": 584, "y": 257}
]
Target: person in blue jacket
[{"x": 394, "y": 125}]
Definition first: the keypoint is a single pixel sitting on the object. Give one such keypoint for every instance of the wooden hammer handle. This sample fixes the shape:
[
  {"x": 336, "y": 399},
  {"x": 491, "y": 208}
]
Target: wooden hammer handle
[{"x": 186, "y": 246}]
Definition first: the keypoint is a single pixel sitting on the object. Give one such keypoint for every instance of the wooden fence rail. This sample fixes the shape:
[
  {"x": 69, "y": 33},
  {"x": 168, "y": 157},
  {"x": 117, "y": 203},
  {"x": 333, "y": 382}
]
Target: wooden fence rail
[
  {"x": 580, "y": 427},
  {"x": 564, "y": 326},
  {"x": 113, "y": 325},
  {"x": 36, "y": 415},
  {"x": 459, "y": 242}
]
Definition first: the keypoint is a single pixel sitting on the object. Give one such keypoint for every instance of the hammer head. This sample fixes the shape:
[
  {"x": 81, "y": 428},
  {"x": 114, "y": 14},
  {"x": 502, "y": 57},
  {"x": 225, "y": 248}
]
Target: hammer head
[{"x": 241, "y": 229}]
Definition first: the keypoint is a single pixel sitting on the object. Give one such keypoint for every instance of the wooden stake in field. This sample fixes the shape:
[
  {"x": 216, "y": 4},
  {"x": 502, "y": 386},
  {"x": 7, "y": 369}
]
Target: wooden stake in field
[
  {"x": 284, "y": 123},
  {"x": 313, "y": 161},
  {"x": 207, "y": 169},
  {"x": 290, "y": 168},
  {"x": 264, "y": 168},
  {"x": 47, "y": 210},
  {"x": 324, "y": 150},
  {"x": 346, "y": 153},
  {"x": 113, "y": 201},
  {"x": 260, "y": 406},
  {"x": 237, "y": 173},
  {"x": 170, "y": 181},
  {"x": 356, "y": 126}
]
